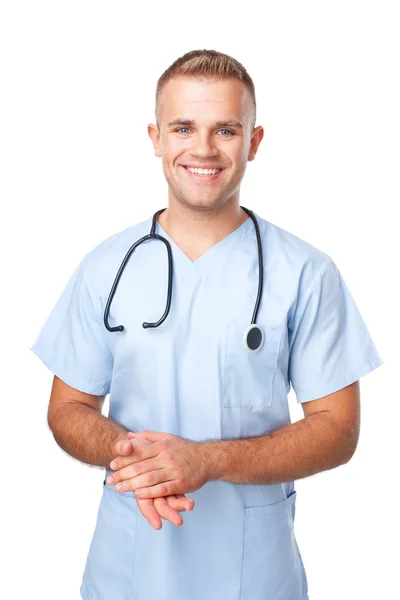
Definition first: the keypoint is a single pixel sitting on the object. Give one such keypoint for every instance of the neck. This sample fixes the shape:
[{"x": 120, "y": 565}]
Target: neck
[{"x": 201, "y": 225}]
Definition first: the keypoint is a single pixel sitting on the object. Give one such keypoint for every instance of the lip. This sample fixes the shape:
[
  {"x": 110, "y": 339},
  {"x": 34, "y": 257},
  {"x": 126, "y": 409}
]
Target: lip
[
  {"x": 202, "y": 166},
  {"x": 204, "y": 178}
]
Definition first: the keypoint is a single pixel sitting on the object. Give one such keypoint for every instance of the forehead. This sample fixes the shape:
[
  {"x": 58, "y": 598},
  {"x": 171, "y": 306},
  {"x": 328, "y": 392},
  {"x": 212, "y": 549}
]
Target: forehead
[{"x": 204, "y": 98}]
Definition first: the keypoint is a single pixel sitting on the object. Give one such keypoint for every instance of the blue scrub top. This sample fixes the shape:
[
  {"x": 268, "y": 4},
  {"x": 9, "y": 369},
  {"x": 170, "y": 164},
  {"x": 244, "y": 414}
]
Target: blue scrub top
[{"x": 192, "y": 377}]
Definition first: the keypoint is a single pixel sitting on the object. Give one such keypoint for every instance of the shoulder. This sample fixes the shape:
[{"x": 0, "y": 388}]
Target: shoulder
[
  {"x": 102, "y": 262},
  {"x": 291, "y": 256}
]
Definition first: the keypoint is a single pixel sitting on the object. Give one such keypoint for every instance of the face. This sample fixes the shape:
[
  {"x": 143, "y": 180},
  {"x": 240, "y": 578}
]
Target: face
[{"x": 205, "y": 124}]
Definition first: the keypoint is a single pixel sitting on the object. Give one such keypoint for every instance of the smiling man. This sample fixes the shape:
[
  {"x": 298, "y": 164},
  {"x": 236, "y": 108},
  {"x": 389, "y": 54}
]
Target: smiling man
[{"x": 199, "y": 418}]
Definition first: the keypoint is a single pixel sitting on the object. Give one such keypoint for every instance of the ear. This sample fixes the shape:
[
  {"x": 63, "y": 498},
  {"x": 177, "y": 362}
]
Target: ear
[
  {"x": 154, "y": 135},
  {"x": 256, "y": 137}
]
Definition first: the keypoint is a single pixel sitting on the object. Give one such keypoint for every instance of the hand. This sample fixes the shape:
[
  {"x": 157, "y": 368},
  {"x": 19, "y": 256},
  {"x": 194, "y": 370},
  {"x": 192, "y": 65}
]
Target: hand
[
  {"x": 166, "y": 507},
  {"x": 170, "y": 465}
]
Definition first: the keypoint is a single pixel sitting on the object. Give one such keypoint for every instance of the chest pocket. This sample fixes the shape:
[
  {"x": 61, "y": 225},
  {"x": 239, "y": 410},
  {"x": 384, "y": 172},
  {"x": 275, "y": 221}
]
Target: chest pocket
[{"x": 249, "y": 376}]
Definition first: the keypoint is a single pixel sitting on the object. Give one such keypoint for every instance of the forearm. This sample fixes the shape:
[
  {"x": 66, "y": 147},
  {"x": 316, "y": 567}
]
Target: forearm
[
  {"x": 86, "y": 434},
  {"x": 308, "y": 446}
]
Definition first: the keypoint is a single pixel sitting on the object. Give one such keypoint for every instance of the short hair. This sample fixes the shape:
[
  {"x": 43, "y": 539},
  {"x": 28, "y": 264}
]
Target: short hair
[{"x": 205, "y": 64}]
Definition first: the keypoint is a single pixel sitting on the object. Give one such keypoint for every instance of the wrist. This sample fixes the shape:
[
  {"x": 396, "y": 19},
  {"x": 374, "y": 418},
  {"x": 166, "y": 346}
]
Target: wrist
[{"x": 212, "y": 459}]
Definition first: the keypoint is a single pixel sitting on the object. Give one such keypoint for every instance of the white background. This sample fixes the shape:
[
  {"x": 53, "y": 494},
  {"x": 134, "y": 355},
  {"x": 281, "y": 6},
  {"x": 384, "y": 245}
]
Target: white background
[{"x": 78, "y": 82}]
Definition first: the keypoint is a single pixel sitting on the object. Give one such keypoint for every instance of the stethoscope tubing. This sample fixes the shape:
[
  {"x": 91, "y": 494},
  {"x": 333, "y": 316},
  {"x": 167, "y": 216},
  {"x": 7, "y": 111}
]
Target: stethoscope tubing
[{"x": 154, "y": 235}]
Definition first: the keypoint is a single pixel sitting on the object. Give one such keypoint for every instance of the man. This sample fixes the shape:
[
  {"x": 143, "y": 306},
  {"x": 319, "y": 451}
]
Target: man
[{"x": 198, "y": 401}]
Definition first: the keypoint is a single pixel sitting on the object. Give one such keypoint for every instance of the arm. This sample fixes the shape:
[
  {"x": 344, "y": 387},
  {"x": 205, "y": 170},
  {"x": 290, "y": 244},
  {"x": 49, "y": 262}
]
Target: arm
[
  {"x": 78, "y": 426},
  {"x": 326, "y": 438},
  {"x": 81, "y": 430}
]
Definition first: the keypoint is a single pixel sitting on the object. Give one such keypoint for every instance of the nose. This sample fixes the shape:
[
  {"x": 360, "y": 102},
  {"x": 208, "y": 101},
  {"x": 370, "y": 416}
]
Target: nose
[{"x": 202, "y": 146}]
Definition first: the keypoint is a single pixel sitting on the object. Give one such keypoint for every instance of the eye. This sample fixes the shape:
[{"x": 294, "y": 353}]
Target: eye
[{"x": 229, "y": 131}]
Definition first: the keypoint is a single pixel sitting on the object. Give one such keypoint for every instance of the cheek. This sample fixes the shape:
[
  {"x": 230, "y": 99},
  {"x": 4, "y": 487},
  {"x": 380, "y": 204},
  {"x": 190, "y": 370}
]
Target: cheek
[
  {"x": 170, "y": 161},
  {"x": 242, "y": 161},
  {"x": 174, "y": 148},
  {"x": 167, "y": 162}
]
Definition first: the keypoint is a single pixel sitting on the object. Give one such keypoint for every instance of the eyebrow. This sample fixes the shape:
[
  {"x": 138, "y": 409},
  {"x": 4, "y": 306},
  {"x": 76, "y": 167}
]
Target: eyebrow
[{"x": 190, "y": 123}]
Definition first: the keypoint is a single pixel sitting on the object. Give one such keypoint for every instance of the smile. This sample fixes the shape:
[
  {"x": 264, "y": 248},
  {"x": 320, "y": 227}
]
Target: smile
[{"x": 203, "y": 174}]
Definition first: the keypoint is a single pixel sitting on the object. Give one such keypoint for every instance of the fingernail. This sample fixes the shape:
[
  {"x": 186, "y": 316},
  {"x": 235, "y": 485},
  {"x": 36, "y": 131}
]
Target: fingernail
[
  {"x": 110, "y": 480},
  {"x": 113, "y": 465}
]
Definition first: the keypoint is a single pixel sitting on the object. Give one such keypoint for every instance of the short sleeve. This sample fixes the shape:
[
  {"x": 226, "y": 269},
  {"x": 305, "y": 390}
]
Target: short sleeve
[
  {"x": 72, "y": 342},
  {"x": 329, "y": 343}
]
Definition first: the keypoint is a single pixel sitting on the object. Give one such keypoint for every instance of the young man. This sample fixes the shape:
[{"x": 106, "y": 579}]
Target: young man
[{"x": 198, "y": 398}]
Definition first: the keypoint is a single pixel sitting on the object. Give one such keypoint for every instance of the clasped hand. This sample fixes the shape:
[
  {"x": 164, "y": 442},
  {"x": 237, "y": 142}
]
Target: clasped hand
[{"x": 159, "y": 468}]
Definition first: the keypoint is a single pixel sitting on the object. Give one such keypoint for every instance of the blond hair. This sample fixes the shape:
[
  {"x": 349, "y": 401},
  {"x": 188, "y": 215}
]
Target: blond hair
[{"x": 204, "y": 64}]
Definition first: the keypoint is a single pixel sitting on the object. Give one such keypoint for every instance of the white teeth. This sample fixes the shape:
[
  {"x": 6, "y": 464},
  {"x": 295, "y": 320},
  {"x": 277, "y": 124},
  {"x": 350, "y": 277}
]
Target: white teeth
[{"x": 203, "y": 171}]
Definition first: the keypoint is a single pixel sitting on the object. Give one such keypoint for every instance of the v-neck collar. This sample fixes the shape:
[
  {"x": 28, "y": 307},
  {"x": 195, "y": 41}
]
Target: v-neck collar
[{"x": 216, "y": 256}]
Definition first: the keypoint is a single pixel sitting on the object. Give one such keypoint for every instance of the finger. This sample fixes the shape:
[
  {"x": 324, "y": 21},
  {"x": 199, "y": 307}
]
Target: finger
[
  {"x": 139, "y": 441},
  {"x": 179, "y": 502},
  {"x": 140, "y": 452},
  {"x": 166, "y": 511},
  {"x": 150, "y": 513},
  {"x": 136, "y": 435},
  {"x": 123, "y": 447},
  {"x": 133, "y": 470},
  {"x": 167, "y": 488},
  {"x": 151, "y": 436},
  {"x": 150, "y": 478},
  {"x": 152, "y": 510}
]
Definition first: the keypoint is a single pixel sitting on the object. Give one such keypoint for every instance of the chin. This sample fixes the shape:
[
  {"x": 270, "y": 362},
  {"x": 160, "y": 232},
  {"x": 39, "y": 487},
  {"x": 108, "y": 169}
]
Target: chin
[{"x": 203, "y": 204}]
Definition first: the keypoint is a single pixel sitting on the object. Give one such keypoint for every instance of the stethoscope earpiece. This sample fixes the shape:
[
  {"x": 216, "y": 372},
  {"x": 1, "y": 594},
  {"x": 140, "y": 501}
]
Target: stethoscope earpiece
[{"x": 253, "y": 338}]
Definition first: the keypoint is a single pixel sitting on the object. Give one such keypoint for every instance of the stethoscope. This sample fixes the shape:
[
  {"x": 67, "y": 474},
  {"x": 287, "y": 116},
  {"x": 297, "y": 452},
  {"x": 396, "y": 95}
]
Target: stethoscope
[{"x": 253, "y": 337}]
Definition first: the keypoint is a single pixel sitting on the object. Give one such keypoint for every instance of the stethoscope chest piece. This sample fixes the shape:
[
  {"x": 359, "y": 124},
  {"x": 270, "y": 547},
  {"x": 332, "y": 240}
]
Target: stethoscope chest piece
[{"x": 253, "y": 338}]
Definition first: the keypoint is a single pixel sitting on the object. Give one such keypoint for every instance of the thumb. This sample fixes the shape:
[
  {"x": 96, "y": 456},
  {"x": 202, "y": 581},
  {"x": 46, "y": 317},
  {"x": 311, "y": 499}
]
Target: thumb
[
  {"x": 151, "y": 436},
  {"x": 123, "y": 447}
]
